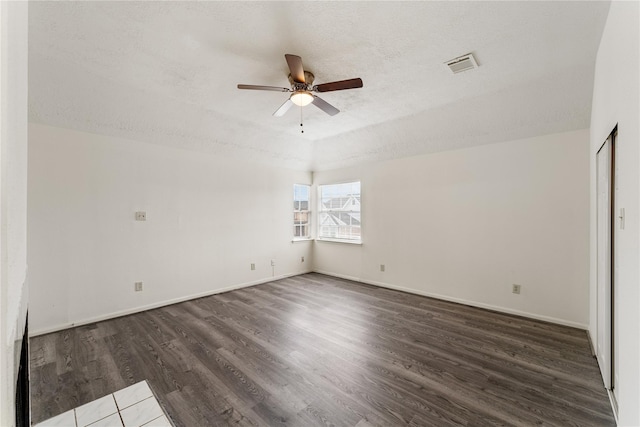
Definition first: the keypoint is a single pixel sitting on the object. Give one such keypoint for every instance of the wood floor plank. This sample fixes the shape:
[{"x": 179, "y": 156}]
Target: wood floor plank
[{"x": 318, "y": 350}]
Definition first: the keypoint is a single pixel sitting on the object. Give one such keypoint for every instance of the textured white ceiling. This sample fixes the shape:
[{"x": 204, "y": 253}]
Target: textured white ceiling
[{"x": 166, "y": 73}]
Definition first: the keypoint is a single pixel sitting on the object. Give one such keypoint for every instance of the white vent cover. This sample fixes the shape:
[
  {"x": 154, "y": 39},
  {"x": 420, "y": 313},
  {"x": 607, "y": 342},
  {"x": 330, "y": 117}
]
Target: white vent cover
[{"x": 462, "y": 63}]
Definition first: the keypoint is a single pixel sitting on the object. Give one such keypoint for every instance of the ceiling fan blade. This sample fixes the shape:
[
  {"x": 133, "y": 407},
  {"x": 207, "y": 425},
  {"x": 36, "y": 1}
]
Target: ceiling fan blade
[
  {"x": 283, "y": 108},
  {"x": 295, "y": 66},
  {"x": 339, "y": 85},
  {"x": 324, "y": 106},
  {"x": 257, "y": 87}
]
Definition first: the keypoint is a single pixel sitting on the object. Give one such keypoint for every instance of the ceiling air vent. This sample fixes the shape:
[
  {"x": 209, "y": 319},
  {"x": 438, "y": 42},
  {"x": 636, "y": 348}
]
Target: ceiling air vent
[{"x": 462, "y": 63}]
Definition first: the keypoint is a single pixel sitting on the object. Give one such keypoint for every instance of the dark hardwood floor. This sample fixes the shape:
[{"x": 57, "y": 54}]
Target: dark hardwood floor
[{"x": 316, "y": 350}]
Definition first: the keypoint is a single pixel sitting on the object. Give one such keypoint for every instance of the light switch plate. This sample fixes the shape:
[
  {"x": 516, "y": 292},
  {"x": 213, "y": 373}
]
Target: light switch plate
[{"x": 141, "y": 216}]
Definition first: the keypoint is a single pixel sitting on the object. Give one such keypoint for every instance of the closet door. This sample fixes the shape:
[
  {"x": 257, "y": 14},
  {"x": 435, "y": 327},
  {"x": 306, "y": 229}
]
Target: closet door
[{"x": 604, "y": 176}]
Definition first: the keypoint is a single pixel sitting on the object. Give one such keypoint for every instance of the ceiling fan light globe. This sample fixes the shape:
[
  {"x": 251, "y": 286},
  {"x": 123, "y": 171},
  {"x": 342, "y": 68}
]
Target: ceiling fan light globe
[{"x": 301, "y": 98}]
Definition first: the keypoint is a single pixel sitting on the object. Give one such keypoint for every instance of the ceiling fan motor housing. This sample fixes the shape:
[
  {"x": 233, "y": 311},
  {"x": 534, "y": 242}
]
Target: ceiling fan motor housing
[{"x": 307, "y": 85}]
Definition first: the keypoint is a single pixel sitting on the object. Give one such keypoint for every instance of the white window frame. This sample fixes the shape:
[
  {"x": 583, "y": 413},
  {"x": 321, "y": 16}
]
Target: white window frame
[
  {"x": 299, "y": 212},
  {"x": 321, "y": 234}
]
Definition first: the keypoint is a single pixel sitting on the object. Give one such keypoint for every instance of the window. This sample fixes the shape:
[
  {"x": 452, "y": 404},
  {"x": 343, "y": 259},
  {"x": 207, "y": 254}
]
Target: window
[
  {"x": 301, "y": 212},
  {"x": 339, "y": 212}
]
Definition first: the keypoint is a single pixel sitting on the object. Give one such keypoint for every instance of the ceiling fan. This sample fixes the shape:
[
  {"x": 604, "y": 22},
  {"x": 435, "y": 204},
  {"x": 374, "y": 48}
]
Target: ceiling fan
[{"x": 302, "y": 87}]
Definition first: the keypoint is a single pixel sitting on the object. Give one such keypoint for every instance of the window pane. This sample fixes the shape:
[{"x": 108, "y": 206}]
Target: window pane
[
  {"x": 301, "y": 194},
  {"x": 339, "y": 211}
]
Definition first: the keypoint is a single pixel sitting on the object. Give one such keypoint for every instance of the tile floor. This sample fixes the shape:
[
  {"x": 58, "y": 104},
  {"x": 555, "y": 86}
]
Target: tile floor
[{"x": 134, "y": 406}]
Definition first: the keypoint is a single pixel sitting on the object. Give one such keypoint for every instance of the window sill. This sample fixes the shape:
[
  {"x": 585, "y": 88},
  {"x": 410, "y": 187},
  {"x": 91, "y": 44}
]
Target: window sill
[
  {"x": 348, "y": 242},
  {"x": 305, "y": 239}
]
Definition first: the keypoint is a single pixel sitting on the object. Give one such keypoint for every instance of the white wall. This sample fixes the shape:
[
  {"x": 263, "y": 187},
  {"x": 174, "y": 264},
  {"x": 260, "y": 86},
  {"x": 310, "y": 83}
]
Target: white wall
[
  {"x": 465, "y": 225},
  {"x": 13, "y": 200},
  {"x": 208, "y": 219},
  {"x": 615, "y": 101}
]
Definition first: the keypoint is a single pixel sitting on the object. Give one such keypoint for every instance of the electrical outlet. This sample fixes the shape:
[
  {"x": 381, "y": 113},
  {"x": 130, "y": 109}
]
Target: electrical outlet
[
  {"x": 141, "y": 216},
  {"x": 253, "y": 266},
  {"x": 301, "y": 259},
  {"x": 515, "y": 289},
  {"x": 273, "y": 263},
  {"x": 382, "y": 267},
  {"x": 138, "y": 286}
]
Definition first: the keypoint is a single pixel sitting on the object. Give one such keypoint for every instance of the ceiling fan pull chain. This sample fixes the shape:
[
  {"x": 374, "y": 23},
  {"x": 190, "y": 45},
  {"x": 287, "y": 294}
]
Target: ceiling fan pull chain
[{"x": 301, "y": 127}]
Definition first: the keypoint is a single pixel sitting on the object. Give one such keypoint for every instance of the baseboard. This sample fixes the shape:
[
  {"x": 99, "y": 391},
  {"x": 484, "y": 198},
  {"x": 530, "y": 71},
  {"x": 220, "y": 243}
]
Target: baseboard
[
  {"x": 614, "y": 405},
  {"x": 612, "y": 397},
  {"x": 460, "y": 301},
  {"x": 43, "y": 331},
  {"x": 592, "y": 345},
  {"x": 139, "y": 309}
]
